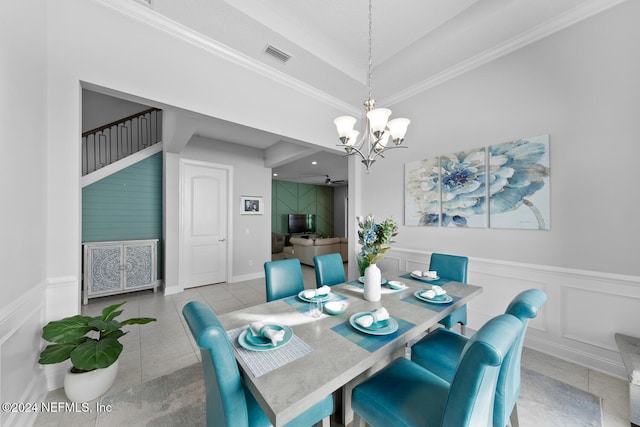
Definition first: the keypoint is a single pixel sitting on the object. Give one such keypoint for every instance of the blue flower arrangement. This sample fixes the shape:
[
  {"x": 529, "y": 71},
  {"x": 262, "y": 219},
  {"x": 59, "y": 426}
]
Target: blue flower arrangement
[{"x": 375, "y": 239}]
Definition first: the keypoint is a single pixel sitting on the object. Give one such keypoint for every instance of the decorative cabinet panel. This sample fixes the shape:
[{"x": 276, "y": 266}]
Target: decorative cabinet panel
[{"x": 117, "y": 267}]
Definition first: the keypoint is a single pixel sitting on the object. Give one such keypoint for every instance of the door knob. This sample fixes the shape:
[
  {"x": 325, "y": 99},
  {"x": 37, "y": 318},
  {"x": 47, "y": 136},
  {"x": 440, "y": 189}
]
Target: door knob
[{"x": 222, "y": 240}]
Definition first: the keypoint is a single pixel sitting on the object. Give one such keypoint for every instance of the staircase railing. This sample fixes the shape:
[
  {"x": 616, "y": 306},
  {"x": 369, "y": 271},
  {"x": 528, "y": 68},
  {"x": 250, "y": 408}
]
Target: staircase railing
[{"x": 117, "y": 140}]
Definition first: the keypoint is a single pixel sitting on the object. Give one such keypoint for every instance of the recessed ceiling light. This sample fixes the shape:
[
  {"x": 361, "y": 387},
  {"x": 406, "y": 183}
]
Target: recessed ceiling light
[
  {"x": 275, "y": 174},
  {"x": 314, "y": 163}
]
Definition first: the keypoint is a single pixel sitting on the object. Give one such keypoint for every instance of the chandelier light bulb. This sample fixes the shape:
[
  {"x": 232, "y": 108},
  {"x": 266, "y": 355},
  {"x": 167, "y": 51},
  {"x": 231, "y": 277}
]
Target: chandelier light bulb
[
  {"x": 344, "y": 124},
  {"x": 398, "y": 129},
  {"x": 378, "y": 120}
]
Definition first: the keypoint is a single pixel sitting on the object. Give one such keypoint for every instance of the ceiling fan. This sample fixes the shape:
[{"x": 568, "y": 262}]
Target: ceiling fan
[
  {"x": 329, "y": 181},
  {"x": 316, "y": 179}
]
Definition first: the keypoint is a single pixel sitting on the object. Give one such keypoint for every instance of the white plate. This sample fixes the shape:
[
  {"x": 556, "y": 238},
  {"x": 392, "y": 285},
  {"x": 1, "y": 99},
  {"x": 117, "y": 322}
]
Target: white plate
[
  {"x": 427, "y": 279},
  {"x": 322, "y": 298}
]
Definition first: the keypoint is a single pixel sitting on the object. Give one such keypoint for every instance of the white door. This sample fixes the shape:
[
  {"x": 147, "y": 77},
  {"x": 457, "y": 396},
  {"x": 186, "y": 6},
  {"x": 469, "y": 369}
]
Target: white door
[{"x": 204, "y": 225}]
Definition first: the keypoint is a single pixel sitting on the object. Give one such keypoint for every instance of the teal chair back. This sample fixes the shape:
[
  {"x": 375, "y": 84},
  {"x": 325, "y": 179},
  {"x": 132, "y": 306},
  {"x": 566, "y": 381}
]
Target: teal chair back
[
  {"x": 475, "y": 380},
  {"x": 440, "y": 352},
  {"x": 283, "y": 278},
  {"x": 524, "y": 306},
  {"x": 454, "y": 268},
  {"x": 229, "y": 402},
  {"x": 407, "y": 394},
  {"x": 329, "y": 270},
  {"x": 226, "y": 402}
]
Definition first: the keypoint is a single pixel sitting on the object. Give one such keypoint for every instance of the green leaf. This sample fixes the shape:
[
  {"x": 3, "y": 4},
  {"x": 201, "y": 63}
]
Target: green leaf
[
  {"x": 101, "y": 325},
  {"x": 94, "y": 354},
  {"x": 110, "y": 312},
  {"x": 67, "y": 330},
  {"x": 56, "y": 353},
  {"x": 138, "y": 321}
]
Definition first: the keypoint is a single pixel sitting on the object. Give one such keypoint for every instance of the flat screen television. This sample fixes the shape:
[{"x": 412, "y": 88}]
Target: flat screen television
[{"x": 302, "y": 223}]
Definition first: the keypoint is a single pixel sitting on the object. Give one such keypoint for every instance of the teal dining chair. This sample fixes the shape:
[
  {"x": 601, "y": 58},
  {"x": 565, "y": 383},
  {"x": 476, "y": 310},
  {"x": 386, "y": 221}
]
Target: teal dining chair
[
  {"x": 407, "y": 394},
  {"x": 283, "y": 278},
  {"x": 229, "y": 403},
  {"x": 452, "y": 267},
  {"x": 329, "y": 270},
  {"x": 441, "y": 350}
]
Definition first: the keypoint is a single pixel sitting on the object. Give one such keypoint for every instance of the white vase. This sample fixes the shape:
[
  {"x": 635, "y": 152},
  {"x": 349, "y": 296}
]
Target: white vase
[
  {"x": 372, "y": 279},
  {"x": 86, "y": 386}
]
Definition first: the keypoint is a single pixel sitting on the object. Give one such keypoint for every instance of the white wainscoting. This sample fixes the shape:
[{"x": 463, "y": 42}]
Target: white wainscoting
[
  {"x": 584, "y": 309},
  {"x": 23, "y": 379}
]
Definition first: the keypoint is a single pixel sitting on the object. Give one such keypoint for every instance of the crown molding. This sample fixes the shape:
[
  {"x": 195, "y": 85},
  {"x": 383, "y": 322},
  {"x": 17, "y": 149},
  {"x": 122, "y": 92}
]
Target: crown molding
[
  {"x": 560, "y": 22},
  {"x": 143, "y": 14}
]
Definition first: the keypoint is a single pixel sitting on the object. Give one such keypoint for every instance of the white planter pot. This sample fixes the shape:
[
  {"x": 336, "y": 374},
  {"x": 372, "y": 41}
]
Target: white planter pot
[
  {"x": 372, "y": 279},
  {"x": 87, "y": 386}
]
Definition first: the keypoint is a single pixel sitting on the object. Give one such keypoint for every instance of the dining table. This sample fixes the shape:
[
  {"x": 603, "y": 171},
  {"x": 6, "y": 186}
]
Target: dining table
[{"x": 331, "y": 354}]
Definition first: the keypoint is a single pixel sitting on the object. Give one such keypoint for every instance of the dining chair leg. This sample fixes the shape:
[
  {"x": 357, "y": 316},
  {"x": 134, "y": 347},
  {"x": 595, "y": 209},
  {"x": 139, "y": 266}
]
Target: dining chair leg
[
  {"x": 513, "y": 418},
  {"x": 463, "y": 329}
]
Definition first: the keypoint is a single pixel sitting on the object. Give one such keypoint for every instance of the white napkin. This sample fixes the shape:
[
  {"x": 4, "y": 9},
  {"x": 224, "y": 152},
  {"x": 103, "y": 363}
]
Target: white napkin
[
  {"x": 427, "y": 274},
  {"x": 258, "y": 329},
  {"x": 377, "y": 315},
  {"x": 435, "y": 291},
  {"x": 321, "y": 291}
]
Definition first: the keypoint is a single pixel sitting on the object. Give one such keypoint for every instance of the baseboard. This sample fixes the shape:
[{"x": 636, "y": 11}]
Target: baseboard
[{"x": 245, "y": 277}]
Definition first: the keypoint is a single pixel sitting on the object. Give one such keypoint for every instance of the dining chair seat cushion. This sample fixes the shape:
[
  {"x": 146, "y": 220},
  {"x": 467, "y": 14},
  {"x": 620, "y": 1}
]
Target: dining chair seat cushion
[
  {"x": 403, "y": 394},
  {"x": 439, "y": 352},
  {"x": 329, "y": 270},
  {"x": 407, "y": 394}
]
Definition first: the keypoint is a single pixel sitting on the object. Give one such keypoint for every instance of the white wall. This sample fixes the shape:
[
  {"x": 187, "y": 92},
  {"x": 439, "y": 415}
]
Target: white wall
[
  {"x": 23, "y": 167},
  {"x": 581, "y": 87},
  {"x": 99, "y": 109}
]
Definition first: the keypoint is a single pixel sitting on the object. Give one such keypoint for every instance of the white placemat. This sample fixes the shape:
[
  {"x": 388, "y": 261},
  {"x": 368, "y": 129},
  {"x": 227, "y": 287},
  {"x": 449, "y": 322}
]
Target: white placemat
[{"x": 261, "y": 362}]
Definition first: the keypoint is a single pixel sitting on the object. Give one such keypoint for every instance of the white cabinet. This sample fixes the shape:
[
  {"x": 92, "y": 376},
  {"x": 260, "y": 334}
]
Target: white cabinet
[{"x": 117, "y": 267}]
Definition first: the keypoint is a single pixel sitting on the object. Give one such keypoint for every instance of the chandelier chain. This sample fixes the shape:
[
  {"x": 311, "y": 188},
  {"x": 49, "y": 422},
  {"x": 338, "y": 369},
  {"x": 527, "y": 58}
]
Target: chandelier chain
[{"x": 370, "y": 49}]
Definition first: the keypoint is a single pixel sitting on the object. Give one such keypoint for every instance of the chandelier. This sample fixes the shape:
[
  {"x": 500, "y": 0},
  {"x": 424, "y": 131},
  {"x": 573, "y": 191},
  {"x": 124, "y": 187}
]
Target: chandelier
[{"x": 377, "y": 130}]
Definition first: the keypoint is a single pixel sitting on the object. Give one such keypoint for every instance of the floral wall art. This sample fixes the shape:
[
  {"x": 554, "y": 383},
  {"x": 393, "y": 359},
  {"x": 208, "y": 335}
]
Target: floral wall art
[
  {"x": 463, "y": 189},
  {"x": 519, "y": 172}
]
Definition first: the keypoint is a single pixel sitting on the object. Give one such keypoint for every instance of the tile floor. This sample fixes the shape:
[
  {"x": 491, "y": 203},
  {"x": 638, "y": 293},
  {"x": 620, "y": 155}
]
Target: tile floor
[{"x": 164, "y": 346}]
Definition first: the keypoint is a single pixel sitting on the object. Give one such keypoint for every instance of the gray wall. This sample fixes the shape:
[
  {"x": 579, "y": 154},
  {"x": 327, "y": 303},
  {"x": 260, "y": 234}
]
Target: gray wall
[
  {"x": 581, "y": 87},
  {"x": 339, "y": 206}
]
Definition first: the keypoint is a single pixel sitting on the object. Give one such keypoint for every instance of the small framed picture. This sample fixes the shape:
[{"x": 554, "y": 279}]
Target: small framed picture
[{"x": 251, "y": 205}]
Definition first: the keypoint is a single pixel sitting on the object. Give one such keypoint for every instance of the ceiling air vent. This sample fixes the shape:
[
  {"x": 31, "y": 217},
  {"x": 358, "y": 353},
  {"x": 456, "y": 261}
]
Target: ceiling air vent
[{"x": 277, "y": 53}]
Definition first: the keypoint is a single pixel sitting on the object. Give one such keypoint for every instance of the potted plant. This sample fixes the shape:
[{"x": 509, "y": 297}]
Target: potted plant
[
  {"x": 376, "y": 240},
  {"x": 91, "y": 343}
]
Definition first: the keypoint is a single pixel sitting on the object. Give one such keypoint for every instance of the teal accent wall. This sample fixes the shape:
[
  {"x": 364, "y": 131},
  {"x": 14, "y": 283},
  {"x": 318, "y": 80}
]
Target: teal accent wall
[
  {"x": 291, "y": 197},
  {"x": 126, "y": 205}
]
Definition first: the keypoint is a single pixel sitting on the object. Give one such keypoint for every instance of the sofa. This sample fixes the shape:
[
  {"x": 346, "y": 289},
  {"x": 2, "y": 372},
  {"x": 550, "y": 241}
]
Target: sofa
[
  {"x": 306, "y": 248},
  {"x": 277, "y": 243}
]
